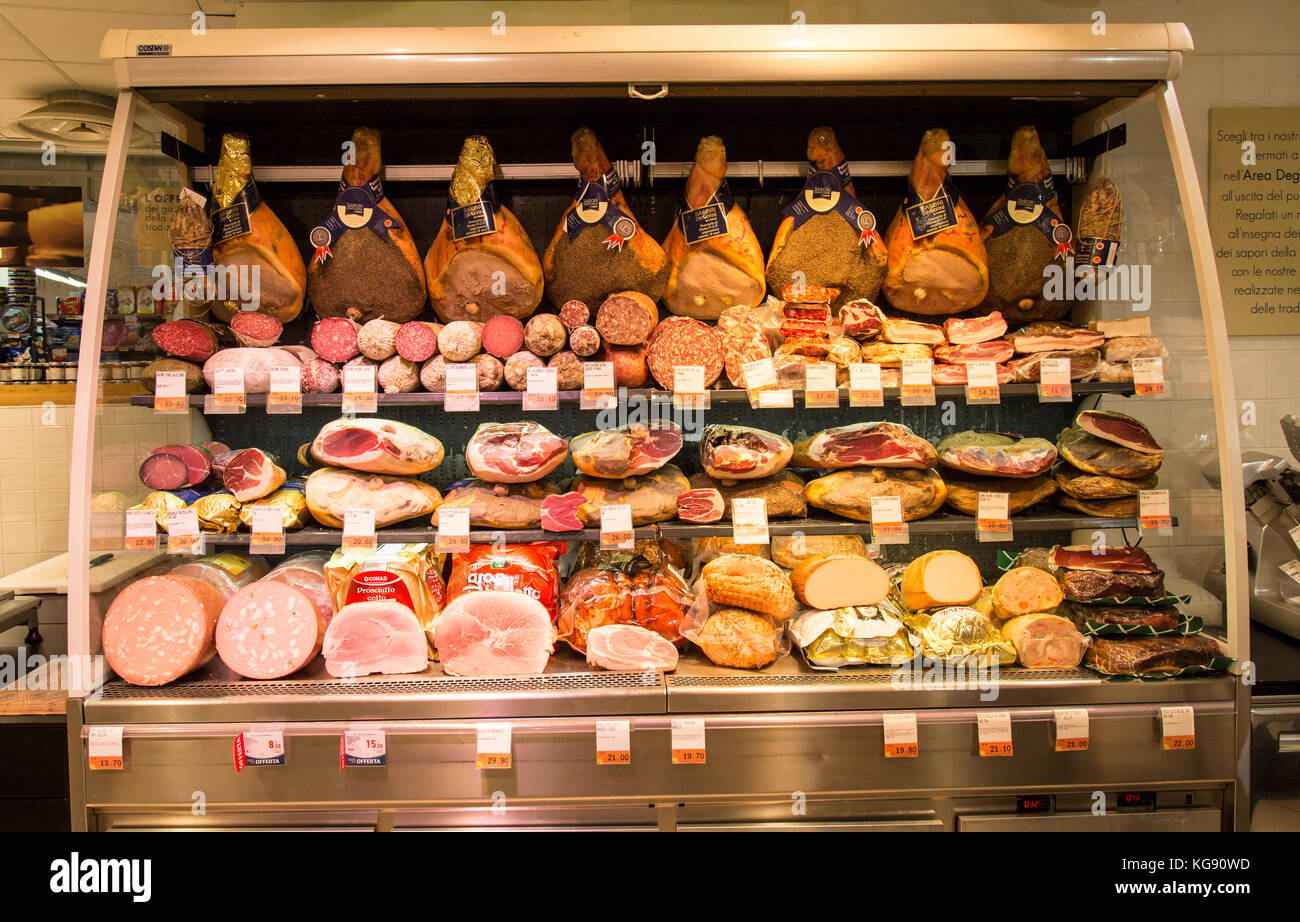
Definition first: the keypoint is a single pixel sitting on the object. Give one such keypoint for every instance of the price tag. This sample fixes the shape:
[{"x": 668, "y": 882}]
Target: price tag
[
  {"x": 493, "y": 746},
  {"x": 1054, "y": 381},
  {"x": 359, "y": 389},
  {"x": 541, "y": 392},
  {"x": 993, "y": 522},
  {"x": 759, "y": 374},
  {"x": 887, "y": 525},
  {"x": 259, "y": 747},
  {"x": 1292, "y": 569},
  {"x": 616, "y": 526},
  {"x": 285, "y": 393},
  {"x": 141, "y": 530},
  {"x": 453, "y": 531},
  {"x": 775, "y": 398},
  {"x": 688, "y": 387},
  {"x": 1071, "y": 729},
  {"x": 1177, "y": 727},
  {"x": 268, "y": 530},
  {"x": 169, "y": 392},
  {"x": 362, "y": 749},
  {"x": 900, "y": 736},
  {"x": 183, "y": 535},
  {"x": 982, "y": 383},
  {"x": 1153, "y": 511},
  {"x": 749, "y": 520},
  {"x": 994, "y": 732},
  {"x": 688, "y": 740},
  {"x": 461, "y": 394},
  {"x": 597, "y": 386},
  {"x": 227, "y": 392},
  {"x": 864, "y": 385},
  {"x": 820, "y": 388},
  {"x": 918, "y": 383},
  {"x": 613, "y": 742},
  {"x": 1149, "y": 376},
  {"x": 104, "y": 748},
  {"x": 359, "y": 529}
]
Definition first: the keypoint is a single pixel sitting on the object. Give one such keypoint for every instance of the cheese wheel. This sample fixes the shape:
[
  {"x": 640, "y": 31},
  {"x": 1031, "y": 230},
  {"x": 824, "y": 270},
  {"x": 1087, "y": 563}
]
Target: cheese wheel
[
  {"x": 939, "y": 579},
  {"x": 1023, "y": 591},
  {"x": 839, "y": 580}
]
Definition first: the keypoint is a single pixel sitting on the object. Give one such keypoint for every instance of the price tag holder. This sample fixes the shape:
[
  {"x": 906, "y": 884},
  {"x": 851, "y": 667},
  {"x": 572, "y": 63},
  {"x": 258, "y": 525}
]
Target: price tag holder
[
  {"x": 887, "y": 525},
  {"x": 1149, "y": 376},
  {"x": 104, "y": 749},
  {"x": 169, "y": 392},
  {"x": 1153, "y": 512},
  {"x": 141, "y": 530},
  {"x": 259, "y": 747},
  {"x": 285, "y": 393},
  {"x": 1054, "y": 381},
  {"x": 982, "y": 383},
  {"x": 359, "y": 389},
  {"x": 994, "y": 732},
  {"x": 900, "y": 736},
  {"x": 1177, "y": 727},
  {"x": 865, "y": 389},
  {"x": 493, "y": 746},
  {"x": 268, "y": 530},
  {"x": 363, "y": 749},
  {"x": 820, "y": 389},
  {"x": 688, "y": 387},
  {"x": 597, "y": 386},
  {"x": 227, "y": 392},
  {"x": 541, "y": 391},
  {"x": 1292, "y": 569},
  {"x": 775, "y": 398},
  {"x": 760, "y": 382},
  {"x": 613, "y": 742},
  {"x": 1071, "y": 729},
  {"x": 616, "y": 527},
  {"x": 688, "y": 741},
  {"x": 749, "y": 520},
  {"x": 993, "y": 522},
  {"x": 917, "y": 383},
  {"x": 453, "y": 531},
  {"x": 461, "y": 394},
  {"x": 183, "y": 536},
  {"x": 359, "y": 529}
]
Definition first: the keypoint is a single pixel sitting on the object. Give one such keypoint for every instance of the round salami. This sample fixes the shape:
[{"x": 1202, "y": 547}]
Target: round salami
[
  {"x": 683, "y": 341},
  {"x": 626, "y": 318},
  {"x": 460, "y": 340},
  {"x": 545, "y": 335},
  {"x": 503, "y": 336},
  {"x": 268, "y": 630},
  {"x": 377, "y": 339},
  {"x": 335, "y": 339},
  {"x": 319, "y": 377},
  {"x": 490, "y": 372},
  {"x": 584, "y": 340},
  {"x": 255, "y": 330},
  {"x": 574, "y": 314},
  {"x": 417, "y": 341},
  {"x": 433, "y": 375},
  {"x": 568, "y": 371},
  {"x": 517, "y": 369}
]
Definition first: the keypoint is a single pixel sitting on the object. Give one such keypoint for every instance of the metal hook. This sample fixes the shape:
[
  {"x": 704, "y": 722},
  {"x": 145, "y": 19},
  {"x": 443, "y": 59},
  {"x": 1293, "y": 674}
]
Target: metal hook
[{"x": 637, "y": 94}]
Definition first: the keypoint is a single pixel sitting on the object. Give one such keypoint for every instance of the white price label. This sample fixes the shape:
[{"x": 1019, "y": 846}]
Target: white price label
[
  {"x": 169, "y": 392},
  {"x": 228, "y": 381},
  {"x": 749, "y": 520},
  {"x": 760, "y": 373},
  {"x": 453, "y": 531},
  {"x": 141, "y": 530},
  {"x": 285, "y": 392},
  {"x": 993, "y": 520},
  {"x": 616, "y": 526},
  {"x": 259, "y": 747},
  {"x": 183, "y": 531},
  {"x": 1149, "y": 376},
  {"x": 359, "y": 528},
  {"x": 268, "y": 529},
  {"x": 597, "y": 386},
  {"x": 917, "y": 382},
  {"x": 359, "y": 389},
  {"x": 887, "y": 525},
  {"x": 461, "y": 388},
  {"x": 1054, "y": 380},
  {"x": 1071, "y": 729},
  {"x": 688, "y": 741},
  {"x": 1153, "y": 509},
  {"x": 775, "y": 398},
  {"x": 688, "y": 386},
  {"x": 1292, "y": 569},
  {"x": 994, "y": 733},
  {"x": 1177, "y": 727},
  {"x": 900, "y": 735},
  {"x": 821, "y": 388},
  {"x": 104, "y": 749},
  {"x": 613, "y": 742},
  {"x": 363, "y": 749},
  {"x": 541, "y": 389},
  {"x": 982, "y": 383},
  {"x": 494, "y": 746},
  {"x": 864, "y": 385}
]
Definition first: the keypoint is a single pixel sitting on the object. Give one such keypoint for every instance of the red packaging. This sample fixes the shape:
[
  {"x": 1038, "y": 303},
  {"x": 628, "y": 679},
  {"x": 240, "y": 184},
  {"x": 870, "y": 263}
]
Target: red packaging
[{"x": 526, "y": 568}]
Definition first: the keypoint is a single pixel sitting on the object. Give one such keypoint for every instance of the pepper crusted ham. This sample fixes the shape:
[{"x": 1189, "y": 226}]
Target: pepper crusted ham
[
  {"x": 704, "y": 506},
  {"x": 967, "y": 331},
  {"x": 998, "y": 351},
  {"x": 416, "y": 340},
  {"x": 896, "y": 330},
  {"x": 502, "y": 336},
  {"x": 254, "y": 329},
  {"x": 514, "y": 452},
  {"x": 1118, "y": 428},
  {"x": 627, "y": 318},
  {"x": 589, "y": 261},
  {"x": 627, "y": 452},
  {"x": 460, "y": 340},
  {"x": 743, "y": 453},
  {"x": 335, "y": 338},
  {"x": 996, "y": 454},
  {"x": 715, "y": 258},
  {"x": 186, "y": 339},
  {"x": 332, "y": 491},
  {"x": 492, "y": 269},
  {"x": 945, "y": 272},
  {"x": 743, "y": 341},
  {"x": 319, "y": 377},
  {"x": 544, "y": 335},
  {"x": 584, "y": 341},
  {"x": 683, "y": 341},
  {"x": 878, "y": 444}
]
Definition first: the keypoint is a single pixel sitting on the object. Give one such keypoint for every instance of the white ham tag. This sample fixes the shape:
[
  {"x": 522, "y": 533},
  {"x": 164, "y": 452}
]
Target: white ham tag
[
  {"x": 169, "y": 392},
  {"x": 1071, "y": 729},
  {"x": 268, "y": 530},
  {"x": 616, "y": 526},
  {"x": 820, "y": 387},
  {"x": 993, "y": 522},
  {"x": 285, "y": 393},
  {"x": 688, "y": 387},
  {"x": 917, "y": 383},
  {"x": 359, "y": 529},
  {"x": 688, "y": 741},
  {"x": 453, "y": 531},
  {"x": 141, "y": 530},
  {"x": 864, "y": 385},
  {"x": 541, "y": 391},
  {"x": 227, "y": 392},
  {"x": 597, "y": 386},
  {"x": 900, "y": 735},
  {"x": 749, "y": 520},
  {"x": 887, "y": 525},
  {"x": 494, "y": 750},
  {"x": 104, "y": 749},
  {"x": 1054, "y": 380},
  {"x": 1177, "y": 727},
  {"x": 461, "y": 388},
  {"x": 183, "y": 536},
  {"x": 994, "y": 733},
  {"x": 1149, "y": 376},
  {"x": 982, "y": 383},
  {"x": 1153, "y": 511}
]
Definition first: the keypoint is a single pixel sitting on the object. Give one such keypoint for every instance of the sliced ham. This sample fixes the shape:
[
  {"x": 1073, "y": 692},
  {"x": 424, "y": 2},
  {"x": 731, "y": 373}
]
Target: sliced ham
[
  {"x": 269, "y": 630},
  {"x": 560, "y": 512},
  {"x": 966, "y": 331},
  {"x": 703, "y": 505},
  {"x": 252, "y": 474},
  {"x": 1108, "y": 560},
  {"x": 878, "y": 444},
  {"x": 161, "y": 627},
  {"x": 629, "y": 648},
  {"x": 491, "y": 633},
  {"x": 367, "y": 637},
  {"x": 1120, "y": 429}
]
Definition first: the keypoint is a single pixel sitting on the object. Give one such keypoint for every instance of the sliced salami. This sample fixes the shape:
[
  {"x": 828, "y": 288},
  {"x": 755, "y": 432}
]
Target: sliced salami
[
  {"x": 574, "y": 314},
  {"x": 268, "y": 630},
  {"x": 560, "y": 511},
  {"x": 161, "y": 627},
  {"x": 186, "y": 339},
  {"x": 255, "y": 330},
  {"x": 503, "y": 336},
  {"x": 417, "y": 341},
  {"x": 584, "y": 340},
  {"x": 683, "y": 341},
  {"x": 626, "y": 318},
  {"x": 335, "y": 339},
  {"x": 743, "y": 340}
]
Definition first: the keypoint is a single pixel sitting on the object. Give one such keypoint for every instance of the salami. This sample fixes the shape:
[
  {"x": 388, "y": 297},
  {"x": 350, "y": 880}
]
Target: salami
[
  {"x": 460, "y": 340},
  {"x": 186, "y": 339},
  {"x": 702, "y": 505},
  {"x": 254, "y": 329},
  {"x": 161, "y": 627},
  {"x": 584, "y": 341},
  {"x": 560, "y": 512},
  {"x": 630, "y": 369},
  {"x": 517, "y": 369},
  {"x": 335, "y": 338},
  {"x": 545, "y": 335},
  {"x": 268, "y": 630},
  {"x": 376, "y": 339},
  {"x": 683, "y": 341},
  {"x": 417, "y": 341},
  {"x": 568, "y": 371},
  {"x": 503, "y": 336},
  {"x": 574, "y": 314},
  {"x": 319, "y": 377},
  {"x": 397, "y": 375},
  {"x": 627, "y": 318},
  {"x": 491, "y": 373},
  {"x": 433, "y": 375},
  {"x": 743, "y": 340},
  {"x": 301, "y": 353}
]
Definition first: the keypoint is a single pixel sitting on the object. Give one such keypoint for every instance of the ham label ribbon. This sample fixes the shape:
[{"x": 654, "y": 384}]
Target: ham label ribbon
[
  {"x": 355, "y": 207},
  {"x": 595, "y": 206},
  {"x": 1028, "y": 196},
  {"x": 825, "y": 190}
]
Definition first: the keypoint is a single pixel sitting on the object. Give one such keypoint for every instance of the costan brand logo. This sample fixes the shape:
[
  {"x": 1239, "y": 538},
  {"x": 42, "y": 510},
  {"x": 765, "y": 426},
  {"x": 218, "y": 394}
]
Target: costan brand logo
[
  {"x": 152, "y": 50},
  {"x": 103, "y": 875}
]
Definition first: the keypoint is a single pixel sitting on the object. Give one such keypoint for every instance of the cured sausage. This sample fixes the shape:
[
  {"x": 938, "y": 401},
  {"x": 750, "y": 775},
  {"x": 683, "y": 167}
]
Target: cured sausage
[
  {"x": 574, "y": 314},
  {"x": 417, "y": 341},
  {"x": 584, "y": 341},
  {"x": 460, "y": 340},
  {"x": 626, "y": 318},
  {"x": 683, "y": 341},
  {"x": 545, "y": 335},
  {"x": 335, "y": 338},
  {"x": 517, "y": 368},
  {"x": 743, "y": 341},
  {"x": 319, "y": 377},
  {"x": 568, "y": 371},
  {"x": 503, "y": 336},
  {"x": 186, "y": 339},
  {"x": 630, "y": 368},
  {"x": 254, "y": 329}
]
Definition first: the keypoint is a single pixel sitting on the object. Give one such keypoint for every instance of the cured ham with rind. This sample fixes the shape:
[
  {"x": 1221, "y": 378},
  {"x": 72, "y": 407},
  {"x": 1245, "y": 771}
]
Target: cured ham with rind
[
  {"x": 849, "y": 493},
  {"x": 377, "y": 446},
  {"x": 501, "y": 505},
  {"x": 491, "y": 633},
  {"x": 704, "y": 505},
  {"x": 628, "y": 648},
  {"x": 743, "y": 453},
  {"x": 877, "y": 444},
  {"x": 1084, "y": 363},
  {"x": 252, "y": 474},
  {"x": 896, "y": 330},
  {"x": 1118, "y": 428},
  {"x": 626, "y": 452},
  {"x": 1100, "y": 456},
  {"x": 518, "y": 452},
  {"x": 996, "y": 454},
  {"x": 560, "y": 512},
  {"x": 331, "y": 491}
]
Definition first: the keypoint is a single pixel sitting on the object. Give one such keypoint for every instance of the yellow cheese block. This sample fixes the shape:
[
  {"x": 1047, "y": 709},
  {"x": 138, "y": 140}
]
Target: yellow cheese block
[{"x": 939, "y": 579}]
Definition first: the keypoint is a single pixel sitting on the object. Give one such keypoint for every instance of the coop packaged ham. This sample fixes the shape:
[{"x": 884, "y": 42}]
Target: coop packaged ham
[
  {"x": 996, "y": 454},
  {"x": 652, "y": 497},
  {"x": 742, "y": 452},
  {"x": 527, "y": 569},
  {"x": 377, "y": 636},
  {"x": 849, "y": 493},
  {"x": 494, "y": 633},
  {"x": 599, "y": 248},
  {"x": 937, "y": 261},
  {"x": 161, "y": 627},
  {"x": 684, "y": 341},
  {"x": 190, "y": 340},
  {"x": 500, "y": 505},
  {"x": 877, "y": 444},
  {"x": 826, "y": 236},
  {"x": 252, "y": 474},
  {"x": 701, "y": 506},
  {"x": 331, "y": 491},
  {"x": 967, "y": 331},
  {"x": 629, "y": 648},
  {"x": 626, "y": 452},
  {"x": 782, "y": 494},
  {"x": 378, "y": 446},
  {"x": 716, "y": 262},
  {"x": 334, "y": 339},
  {"x": 516, "y": 452},
  {"x": 256, "y": 365},
  {"x": 269, "y": 630},
  {"x": 250, "y": 243},
  {"x": 482, "y": 263},
  {"x": 365, "y": 265}
]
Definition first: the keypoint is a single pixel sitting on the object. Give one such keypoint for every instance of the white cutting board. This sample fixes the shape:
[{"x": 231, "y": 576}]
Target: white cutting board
[{"x": 50, "y": 577}]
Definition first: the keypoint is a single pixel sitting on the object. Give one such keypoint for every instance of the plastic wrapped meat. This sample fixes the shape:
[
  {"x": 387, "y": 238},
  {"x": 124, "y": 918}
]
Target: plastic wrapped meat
[
  {"x": 856, "y": 636},
  {"x": 996, "y": 454},
  {"x": 875, "y": 444},
  {"x": 743, "y": 453},
  {"x": 627, "y": 648},
  {"x": 626, "y": 452}
]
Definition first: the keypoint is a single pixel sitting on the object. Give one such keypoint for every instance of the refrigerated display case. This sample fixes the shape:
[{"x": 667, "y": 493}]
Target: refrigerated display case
[{"x": 785, "y": 747}]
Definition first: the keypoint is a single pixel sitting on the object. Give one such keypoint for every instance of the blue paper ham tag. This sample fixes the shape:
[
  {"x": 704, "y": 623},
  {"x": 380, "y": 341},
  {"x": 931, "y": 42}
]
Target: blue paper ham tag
[
  {"x": 1027, "y": 203},
  {"x": 234, "y": 220},
  {"x": 823, "y": 192},
  {"x": 927, "y": 217},
  {"x": 595, "y": 206},
  {"x": 355, "y": 207},
  {"x": 710, "y": 219},
  {"x": 476, "y": 218}
]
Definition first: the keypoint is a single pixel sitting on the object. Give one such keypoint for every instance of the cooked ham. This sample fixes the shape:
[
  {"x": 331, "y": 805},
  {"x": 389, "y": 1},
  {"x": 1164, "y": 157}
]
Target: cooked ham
[
  {"x": 629, "y": 648},
  {"x": 490, "y": 633},
  {"x": 367, "y": 637}
]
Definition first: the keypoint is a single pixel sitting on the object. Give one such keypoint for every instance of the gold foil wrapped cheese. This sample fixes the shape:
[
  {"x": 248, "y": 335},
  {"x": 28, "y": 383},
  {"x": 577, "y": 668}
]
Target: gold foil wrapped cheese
[
  {"x": 292, "y": 500},
  {"x": 959, "y": 632},
  {"x": 863, "y": 635},
  {"x": 218, "y": 513}
]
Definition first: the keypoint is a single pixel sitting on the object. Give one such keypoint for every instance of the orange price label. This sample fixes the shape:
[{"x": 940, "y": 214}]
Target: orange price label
[
  {"x": 169, "y": 404},
  {"x": 613, "y": 742},
  {"x": 613, "y": 758},
  {"x": 1178, "y": 727},
  {"x": 900, "y": 736},
  {"x": 284, "y": 402},
  {"x": 142, "y": 542},
  {"x": 995, "y": 749},
  {"x": 1074, "y": 745},
  {"x": 986, "y": 393},
  {"x": 106, "y": 763},
  {"x": 104, "y": 749},
  {"x": 494, "y": 750},
  {"x": 493, "y": 760},
  {"x": 688, "y": 756},
  {"x": 688, "y": 741}
]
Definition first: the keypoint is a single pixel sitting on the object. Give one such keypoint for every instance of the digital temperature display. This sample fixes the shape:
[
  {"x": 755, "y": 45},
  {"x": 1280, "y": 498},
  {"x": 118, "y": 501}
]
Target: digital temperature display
[
  {"x": 1041, "y": 803},
  {"x": 1136, "y": 800}
]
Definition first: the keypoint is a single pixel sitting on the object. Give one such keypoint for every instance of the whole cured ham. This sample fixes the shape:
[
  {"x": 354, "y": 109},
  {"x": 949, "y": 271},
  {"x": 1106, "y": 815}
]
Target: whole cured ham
[
  {"x": 626, "y": 452},
  {"x": 996, "y": 454},
  {"x": 1118, "y": 428},
  {"x": 332, "y": 491},
  {"x": 365, "y": 264},
  {"x": 715, "y": 259},
  {"x": 1024, "y": 233},
  {"x": 879, "y": 444},
  {"x": 491, "y": 633},
  {"x": 1101, "y": 456},
  {"x": 248, "y": 238},
  {"x": 481, "y": 264},
  {"x": 1022, "y": 492},
  {"x": 782, "y": 494},
  {"x": 366, "y": 637},
  {"x": 518, "y": 452},
  {"x": 628, "y": 648},
  {"x": 827, "y": 237},
  {"x": 161, "y": 627},
  {"x": 849, "y": 493},
  {"x": 501, "y": 505},
  {"x": 599, "y": 248},
  {"x": 702, "y": 505},
  {"x": 742, "y": 452},
  {"x": 937, "y": 262},
  {"x": 652, "y": 497},
  {"x": 378, "y": 446}
]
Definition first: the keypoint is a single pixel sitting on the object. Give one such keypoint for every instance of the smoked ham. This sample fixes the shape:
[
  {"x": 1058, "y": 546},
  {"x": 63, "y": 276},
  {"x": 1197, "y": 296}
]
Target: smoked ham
[
  {"x": 937, "y": 262},
  {"x": 599, "y": 248},
  {"x": 365, "y": 264},
  {"x": 715, "y": 259},
  {"x": 481, "y": 264}
]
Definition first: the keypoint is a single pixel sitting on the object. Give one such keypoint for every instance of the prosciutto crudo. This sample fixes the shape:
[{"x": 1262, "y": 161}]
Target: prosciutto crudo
[
  {"x": 367, "y": 637},
  {"x": 715, "y": 258},
  {"x": 743, "y": 453},
  {"x": 996, "y": 454},
  {"x": 626, "y": 452},
  {"x": 491, "y": 633},
  {"x": 880, "y": 444},
  {"x": 1104, "y": 560},
  {"x": 251, "y": 474},
  {"x": 378, "y": 446},
  {"x": 1118, "y": 428},
  {"x": 519, "y": 452},
  {"x": 629, "y": 648},
  {"x": 331, "y": 491}
]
